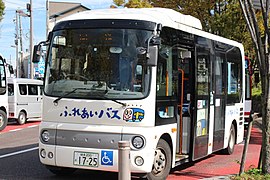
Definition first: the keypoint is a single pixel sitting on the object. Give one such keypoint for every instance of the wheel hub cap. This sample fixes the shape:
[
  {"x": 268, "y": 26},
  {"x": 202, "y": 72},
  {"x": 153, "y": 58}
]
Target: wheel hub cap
[{"x": 159, "y": 161}]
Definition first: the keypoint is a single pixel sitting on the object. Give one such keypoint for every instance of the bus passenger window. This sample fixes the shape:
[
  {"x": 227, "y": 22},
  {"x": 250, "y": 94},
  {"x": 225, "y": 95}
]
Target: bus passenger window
[
  {"x": 41, "y": 90},
  {"x": 32, "y": 89},
  {"x": 234, "y": 81},
  {"x": 10, "y": 90},
  {"x": 22, "y": 88},
  {"x": 166, "y": 112}
]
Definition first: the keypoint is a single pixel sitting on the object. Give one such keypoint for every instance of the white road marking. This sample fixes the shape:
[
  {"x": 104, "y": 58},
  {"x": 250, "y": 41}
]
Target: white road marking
[
  {"x": 32, "y": 126},
  {"x": 18, "y": 152},
  {"x": 15, "y": 129}
]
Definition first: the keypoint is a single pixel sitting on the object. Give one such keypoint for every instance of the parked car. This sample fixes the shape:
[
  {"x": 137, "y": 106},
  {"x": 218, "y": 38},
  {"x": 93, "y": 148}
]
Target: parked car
[{"x": 24, "y": 99}]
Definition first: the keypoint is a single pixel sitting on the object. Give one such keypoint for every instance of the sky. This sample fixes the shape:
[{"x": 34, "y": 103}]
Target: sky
[{"x": 8, "y": 25}]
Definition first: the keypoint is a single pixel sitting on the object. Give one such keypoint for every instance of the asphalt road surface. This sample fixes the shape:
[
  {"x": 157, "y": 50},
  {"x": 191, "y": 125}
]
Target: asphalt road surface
[{"x": 19, "y": 159}]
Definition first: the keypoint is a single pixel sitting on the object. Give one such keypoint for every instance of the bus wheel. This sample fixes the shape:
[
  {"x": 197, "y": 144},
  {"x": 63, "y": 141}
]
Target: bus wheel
[
  {"x": 3, "y": 120},
  {"x": 162, "y": 161},
  {"x": 21, "y": 118},
  {"x": 60, "y": 171},
  {"x": 229, "y": 150}
]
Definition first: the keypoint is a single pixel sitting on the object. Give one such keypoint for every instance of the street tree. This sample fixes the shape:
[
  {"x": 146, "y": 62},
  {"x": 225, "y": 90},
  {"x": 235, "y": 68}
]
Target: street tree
[
  {"x": 2, "y": 8},
  {"x": 217, "y": 17},
  {"x": 260, "y": 38},
  {"x": 132, "y": 3}
]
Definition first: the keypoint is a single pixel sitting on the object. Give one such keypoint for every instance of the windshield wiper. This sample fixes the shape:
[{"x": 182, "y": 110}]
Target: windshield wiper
[
  {"x": 65, "y": 95},
  {"x": 99, "y": 95},
  {"x": 123, "y": 104},
  {"x": 103, "y": 97},
  {"x": 114, "y": 100}
]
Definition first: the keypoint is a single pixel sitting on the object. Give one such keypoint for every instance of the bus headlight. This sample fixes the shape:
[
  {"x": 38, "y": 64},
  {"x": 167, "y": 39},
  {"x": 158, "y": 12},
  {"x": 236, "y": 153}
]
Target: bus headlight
[
  {"x": 139, "y": 161},
  {"x": 45, "y": 136},
  {"x": 138, "y": 142},
  {"x": 43, "y": 153}
]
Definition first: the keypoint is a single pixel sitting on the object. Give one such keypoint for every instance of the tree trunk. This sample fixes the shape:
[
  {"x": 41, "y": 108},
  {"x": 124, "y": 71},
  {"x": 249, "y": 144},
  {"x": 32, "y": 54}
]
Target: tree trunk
[
  {"x": 263, "y": 63},
  {"x": 265, "y": 123}
]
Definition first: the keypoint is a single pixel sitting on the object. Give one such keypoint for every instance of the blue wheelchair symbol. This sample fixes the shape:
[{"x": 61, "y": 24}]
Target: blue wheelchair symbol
[{"x": 107, "y": 158}]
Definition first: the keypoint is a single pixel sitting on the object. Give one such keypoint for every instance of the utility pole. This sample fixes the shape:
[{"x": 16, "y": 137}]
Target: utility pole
[
  {"x": 47, "y": 18},
  {"x": 31, "y": 39},
  {"x": 21, "y": 48},
  {"x": 21, "y": 13},
  {"x": 16, "y": 45}
]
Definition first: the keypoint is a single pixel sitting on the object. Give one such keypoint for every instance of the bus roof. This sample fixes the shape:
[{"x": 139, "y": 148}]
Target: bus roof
[
  {"x": 24, "y": 81},
  {"x": 167, "y": 17}
]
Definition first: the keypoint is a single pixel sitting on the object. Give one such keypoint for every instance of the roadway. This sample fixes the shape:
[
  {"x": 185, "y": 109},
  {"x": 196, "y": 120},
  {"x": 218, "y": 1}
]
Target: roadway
[{"x": 19, "y": 158}]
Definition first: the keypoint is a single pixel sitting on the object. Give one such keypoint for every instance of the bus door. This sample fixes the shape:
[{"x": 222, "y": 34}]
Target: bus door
[
  {"x": 218, "y": 102},
  {"x": 202, "y": 102},
  {"x": 184, "y": 120}
]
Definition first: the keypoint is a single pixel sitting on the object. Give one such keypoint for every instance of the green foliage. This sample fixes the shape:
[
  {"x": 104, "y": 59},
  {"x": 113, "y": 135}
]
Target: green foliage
[
  {"x": 119, "y": 2},
  {"x": 257, "y": 91},
  {"x": 2, "y": 8},
  {"x": 220, "y": 17},
  {"x": 138, "y": 4},
  {"x": 133, "y": 3},
  {"x": 252, "y": 174},
  {"x": 254, "y": 171},
  {"x": 257, "y": 103}
]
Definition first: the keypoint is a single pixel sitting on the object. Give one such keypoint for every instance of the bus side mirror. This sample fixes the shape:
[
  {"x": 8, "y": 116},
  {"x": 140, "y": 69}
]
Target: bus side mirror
[
  {"x": 152, "y": 56},
  {"x": 36, "y": 53},
  {"x": 11, "y": 70}
]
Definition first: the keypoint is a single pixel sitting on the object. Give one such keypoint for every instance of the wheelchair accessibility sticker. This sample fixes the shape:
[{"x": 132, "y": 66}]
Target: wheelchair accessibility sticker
[{"x": 107, "y": 158}]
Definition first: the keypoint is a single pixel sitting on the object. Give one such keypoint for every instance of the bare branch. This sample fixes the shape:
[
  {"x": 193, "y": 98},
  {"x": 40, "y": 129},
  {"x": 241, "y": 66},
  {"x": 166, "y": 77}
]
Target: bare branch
[
  {"x": 265, "y": 12},
  {"x": 247, "y": 17},
  {"x": 262, "y": 63}
]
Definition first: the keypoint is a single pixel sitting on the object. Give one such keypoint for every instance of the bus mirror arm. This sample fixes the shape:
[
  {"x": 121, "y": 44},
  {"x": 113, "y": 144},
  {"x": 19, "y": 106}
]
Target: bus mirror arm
[{"x": 151, "y": 51}]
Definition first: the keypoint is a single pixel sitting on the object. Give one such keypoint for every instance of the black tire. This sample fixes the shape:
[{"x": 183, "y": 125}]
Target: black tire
[
  {"x": 21, "y": 118},
  {"x": 162, "y": 162},
  {"x": 3, "y": 120},
  {"x": 61, "y": 171},
  {"x": 231, "y": 143}
]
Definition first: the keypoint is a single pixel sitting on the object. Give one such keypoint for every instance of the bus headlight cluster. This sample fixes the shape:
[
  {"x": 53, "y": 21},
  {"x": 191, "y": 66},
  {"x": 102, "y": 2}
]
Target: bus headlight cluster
[
  {"x": 45, "y": 136},
  {"x": 43, "y": 154},
  {"x": 138, "y": 142}
]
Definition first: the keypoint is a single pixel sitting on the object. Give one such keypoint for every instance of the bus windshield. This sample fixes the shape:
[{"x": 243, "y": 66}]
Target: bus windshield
[
  {"x": 98, "y": 63},
  {"x": 2, "y": 78}
]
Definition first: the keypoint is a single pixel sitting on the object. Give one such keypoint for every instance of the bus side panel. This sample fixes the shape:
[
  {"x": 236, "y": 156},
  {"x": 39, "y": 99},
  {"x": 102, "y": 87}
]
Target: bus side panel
[{"x": 233, "y": 113}]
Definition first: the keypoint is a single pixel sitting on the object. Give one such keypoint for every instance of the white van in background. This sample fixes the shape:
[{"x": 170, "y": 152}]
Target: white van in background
[{"x": 24, "y": 98}]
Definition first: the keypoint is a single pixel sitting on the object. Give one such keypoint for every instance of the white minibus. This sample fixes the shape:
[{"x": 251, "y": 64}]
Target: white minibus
[
  {"x": 24, "y": 98},
  {"x": 148, "y": 76},
  {"x": 3, "y": 95}
]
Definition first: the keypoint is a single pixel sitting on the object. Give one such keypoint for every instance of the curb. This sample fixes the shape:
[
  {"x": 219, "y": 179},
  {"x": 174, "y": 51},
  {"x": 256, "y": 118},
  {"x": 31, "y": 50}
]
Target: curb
[{"x": 228, "y": 177}]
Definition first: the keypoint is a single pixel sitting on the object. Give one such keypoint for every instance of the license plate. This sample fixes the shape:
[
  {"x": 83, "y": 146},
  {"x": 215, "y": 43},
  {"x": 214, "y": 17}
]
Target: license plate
[{"x": 85, "y": 159}]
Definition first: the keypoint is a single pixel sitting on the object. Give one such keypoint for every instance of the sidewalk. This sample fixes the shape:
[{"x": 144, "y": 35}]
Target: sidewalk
[{"x": 257, "y": 123}]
